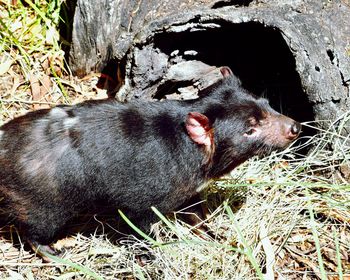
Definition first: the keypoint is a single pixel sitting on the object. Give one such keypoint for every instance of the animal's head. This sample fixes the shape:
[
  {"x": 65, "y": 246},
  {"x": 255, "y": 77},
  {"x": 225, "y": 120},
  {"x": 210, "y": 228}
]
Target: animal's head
[{"x": 233, "y": 125}]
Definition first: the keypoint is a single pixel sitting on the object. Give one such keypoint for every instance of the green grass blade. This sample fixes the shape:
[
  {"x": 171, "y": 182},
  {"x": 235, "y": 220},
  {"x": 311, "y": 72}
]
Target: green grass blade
[
  {"x": 317, "y": 242},
  {"x": 13, "y": 40},
  {"x": 137, "y": 230},
  {"x": 171, "y": 226},
  {"x": 248, "y": 251},
  {"x": 77, "y": 267},
  {"x": 337, "y": 249},
  {"x": 63, "y": 90},
  {"x": 39, "y": 12},
  {"x": 139, "y": 274}
]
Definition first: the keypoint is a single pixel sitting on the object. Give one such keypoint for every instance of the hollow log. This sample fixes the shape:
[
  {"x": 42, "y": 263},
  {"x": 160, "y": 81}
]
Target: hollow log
[{"x": 295, "y": 52}]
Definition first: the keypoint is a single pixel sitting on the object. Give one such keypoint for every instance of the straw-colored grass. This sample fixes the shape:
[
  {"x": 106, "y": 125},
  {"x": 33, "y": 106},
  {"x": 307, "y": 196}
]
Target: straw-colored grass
[{"x": 283, "y": 217}]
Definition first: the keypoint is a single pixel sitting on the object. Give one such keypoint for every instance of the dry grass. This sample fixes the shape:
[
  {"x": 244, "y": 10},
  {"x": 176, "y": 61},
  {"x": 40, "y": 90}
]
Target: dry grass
[
  {"x": 32, "y": 69},
  {"x": 283, "y": 217}
]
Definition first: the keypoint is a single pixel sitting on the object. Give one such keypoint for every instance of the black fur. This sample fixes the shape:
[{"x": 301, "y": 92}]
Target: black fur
[{"x": 56, "y": 163}]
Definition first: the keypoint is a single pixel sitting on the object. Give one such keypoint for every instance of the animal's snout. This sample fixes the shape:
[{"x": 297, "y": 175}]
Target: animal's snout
[
  {"x": 293, "y": 129},
  {"x": 282, "y": 131}
]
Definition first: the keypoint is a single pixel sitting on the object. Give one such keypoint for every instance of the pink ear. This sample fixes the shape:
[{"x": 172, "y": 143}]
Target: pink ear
[
  {"x": 198, "y": 129},
  {"x": 226, "y": 71}
]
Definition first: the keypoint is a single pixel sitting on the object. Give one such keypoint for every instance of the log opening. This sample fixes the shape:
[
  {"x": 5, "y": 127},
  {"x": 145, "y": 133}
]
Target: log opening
[{"x": 257, "y": 54}]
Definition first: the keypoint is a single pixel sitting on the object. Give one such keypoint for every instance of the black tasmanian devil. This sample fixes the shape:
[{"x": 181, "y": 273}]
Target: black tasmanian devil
[{"x": 56, "y": 163}]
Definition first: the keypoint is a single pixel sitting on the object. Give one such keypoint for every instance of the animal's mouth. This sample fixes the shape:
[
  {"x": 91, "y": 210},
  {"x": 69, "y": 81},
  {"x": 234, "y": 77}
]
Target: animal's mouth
[{"x": 267, "y": 149}]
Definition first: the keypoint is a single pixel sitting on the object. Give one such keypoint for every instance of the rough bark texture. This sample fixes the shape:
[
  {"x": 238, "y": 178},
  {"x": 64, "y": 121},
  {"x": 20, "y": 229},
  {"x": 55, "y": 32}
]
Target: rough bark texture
[
  {"x": 103, "y": 30},
  {"x": 150, "y": 38}
]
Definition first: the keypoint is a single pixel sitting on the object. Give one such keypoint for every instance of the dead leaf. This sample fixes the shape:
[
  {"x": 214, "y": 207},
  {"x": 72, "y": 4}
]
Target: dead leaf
[
  {"x": 46, "y": 82},
  {"x": 35, "y": 90},
  {"x": 307, "y": 263},
  {"x": 5, "y": 65},
  {"x": 338, "y": 215},
  {"x": 46, "y": 66}
]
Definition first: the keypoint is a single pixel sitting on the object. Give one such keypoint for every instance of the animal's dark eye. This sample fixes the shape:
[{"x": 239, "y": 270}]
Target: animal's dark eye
[{"x": 250, "y": 131}]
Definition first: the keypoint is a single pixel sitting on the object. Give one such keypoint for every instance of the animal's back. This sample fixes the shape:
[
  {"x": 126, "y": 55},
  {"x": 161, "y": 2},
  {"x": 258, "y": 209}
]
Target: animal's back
[{"x": 61, "y": 160}]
